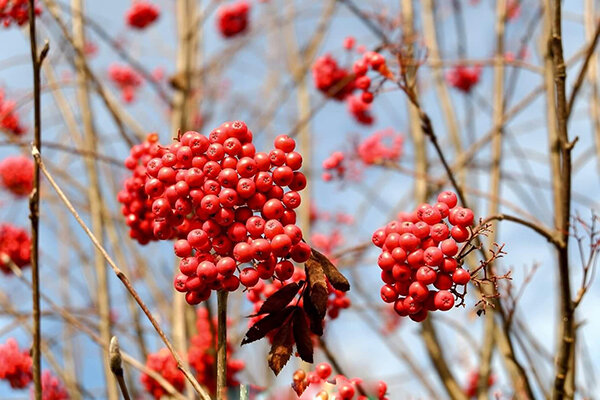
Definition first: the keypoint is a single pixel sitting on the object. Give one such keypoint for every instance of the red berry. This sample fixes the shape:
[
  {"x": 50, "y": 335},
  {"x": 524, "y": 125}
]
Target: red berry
[
  {"x": 461, "y": 276},
  {"x": 444, "y": 300}
]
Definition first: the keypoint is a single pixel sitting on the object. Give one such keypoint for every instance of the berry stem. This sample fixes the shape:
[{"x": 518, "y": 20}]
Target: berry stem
[{"x": 222, "y": 344}]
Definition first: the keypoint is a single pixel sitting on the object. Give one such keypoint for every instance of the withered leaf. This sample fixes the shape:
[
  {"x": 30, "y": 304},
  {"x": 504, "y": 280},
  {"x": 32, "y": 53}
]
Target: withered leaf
[
  {"x": 280, "y": 298},
  {"x": 260, "y": 329},
  {"x": 316, "y": 322},
  {"x": 304, "y": 343},
  {"x": 317, "y": 286},
  {"x": 281, "y": 350},
  {"x": 334, "y": 276}
]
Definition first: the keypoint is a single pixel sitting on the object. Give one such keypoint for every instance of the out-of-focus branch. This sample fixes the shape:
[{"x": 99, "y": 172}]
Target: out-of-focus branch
[{"x": 562, "y": 386}]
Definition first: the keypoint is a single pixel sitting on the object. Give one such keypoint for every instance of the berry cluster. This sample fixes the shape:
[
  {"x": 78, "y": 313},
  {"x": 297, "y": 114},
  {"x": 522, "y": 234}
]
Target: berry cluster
[
  {"x": 225, "y": 202},
  {"x": 126, "y": 79},
  {"x": 463, "y": 78},
  {"x": 360, "y": 110},
  {"x": 380, "y": 146},
  {"x": 340, "y": 83},
  {"x": 17, "y": 175},
  {"x": 15, "y": 364},
  {"x": 16, "y": 11},
  {"x": 52, "y": 388},
  {"x": 141, "y": 14},
  {"x": 374, "y": 148},
  {"x": 9, "y": 119},
  {"x": 334, "y": 164},
  {"x": 419, "y": 250},
  {"x": 331, "y": 79},
  {"x": 15, "y": 244},
  {"x": 201, "y": 354},
  {"x": 471, "y": 387},
  {"x": 137, "y": 206},
  {"x": 232, "y": 19},
  {"x": 163, "y": 363},
  {"x": 345, "y": 389}
]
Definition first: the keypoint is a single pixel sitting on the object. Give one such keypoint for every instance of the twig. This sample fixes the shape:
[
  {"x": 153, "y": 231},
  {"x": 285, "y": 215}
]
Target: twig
[
  {"x": 115, "y": 365},
  {"x": 34, "y": 199},
  {"x": 591, "y": 50},
  {"x": 122, "y": 277},
  {"x": 222, "y": 344}
]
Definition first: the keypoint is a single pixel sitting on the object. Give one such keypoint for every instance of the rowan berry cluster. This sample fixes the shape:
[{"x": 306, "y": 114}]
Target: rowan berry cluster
[
  {"x": 419, "y": 250},
  {"x": 380, "y": 146},
  {"x": 15, "y": 246},
  {"x": 17, "y": 175},
  {"x": 360, "y": 110},
  {"x": 16, "y": 11},
  {"x": 344, "y": 388},
  {"x": 463, "y": 78},
  {"x": 52, "y": 388},
  {"x": 9, "y": 119},
  {"x": 15, "y": 364},
  {"x": 225, "y": 202},
  {"x": 126, "y": 79},
  {"x": 384, "y": 145},
  {"x": 141, "y": 14},
  {"x": 232, "y": 19},
  {"x": 340, "y": 83},
  {"x": 473, "y": 378},
  {"x": 331, "y": 79},
  {"x": 201, "y": 354},
  {"x": 163, "y": 363}
]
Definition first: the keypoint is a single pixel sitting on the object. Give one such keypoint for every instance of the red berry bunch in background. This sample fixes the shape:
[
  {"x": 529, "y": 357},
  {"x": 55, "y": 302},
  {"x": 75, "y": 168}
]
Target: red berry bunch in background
[
  {"x": 15, "y": 364},
  {"x": 201, "y": 354},
  {"x": 320, "y": 380},
  {"x": 52, "y": 388},
  {"x": 360, "y": 110},
  {"x": 232, "y": 19},
  {"x": 384, "y": 145},
  {"x": 228, "y": 205},
  {"x": 141, "y": 14},
  {"x": 463, "y": 78},
  {"x": 17, "y": 175},
  {"x": 471, "y": 387},
  {"x": 419, "y": 251},
  {"x": 334, "y": 164},
  {"x": 16, "y": 11},
  {"x": 164, "y": 364},
  {"x": 380, "y": 146},
  {"x": 331, "y": 79},
  {"x": 9, "y": 119},
  {"x": 126, "y": 79},
  {"x": 137, "y": 206},
  {"x": 15, "y": 245}
]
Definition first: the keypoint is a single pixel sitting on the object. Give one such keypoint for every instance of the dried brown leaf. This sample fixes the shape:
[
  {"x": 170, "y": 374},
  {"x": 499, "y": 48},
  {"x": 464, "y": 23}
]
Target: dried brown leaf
[
  {"x": 280, "y": 299},
  {"x": 316, "y": 321},
  {"x": 317, "y": 286},
  {"x": 334, "y": 276},
  {"x": 282, "y": 347},
  {"x": 260, "y": 329},
  {"x": 304, "y": 343}
]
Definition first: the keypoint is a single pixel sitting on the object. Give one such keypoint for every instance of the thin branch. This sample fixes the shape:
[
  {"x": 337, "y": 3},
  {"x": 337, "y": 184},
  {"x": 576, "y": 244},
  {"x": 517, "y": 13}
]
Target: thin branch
[
  {"x": 34, "y": 199},
  {"x": 122, "y": 277}
]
